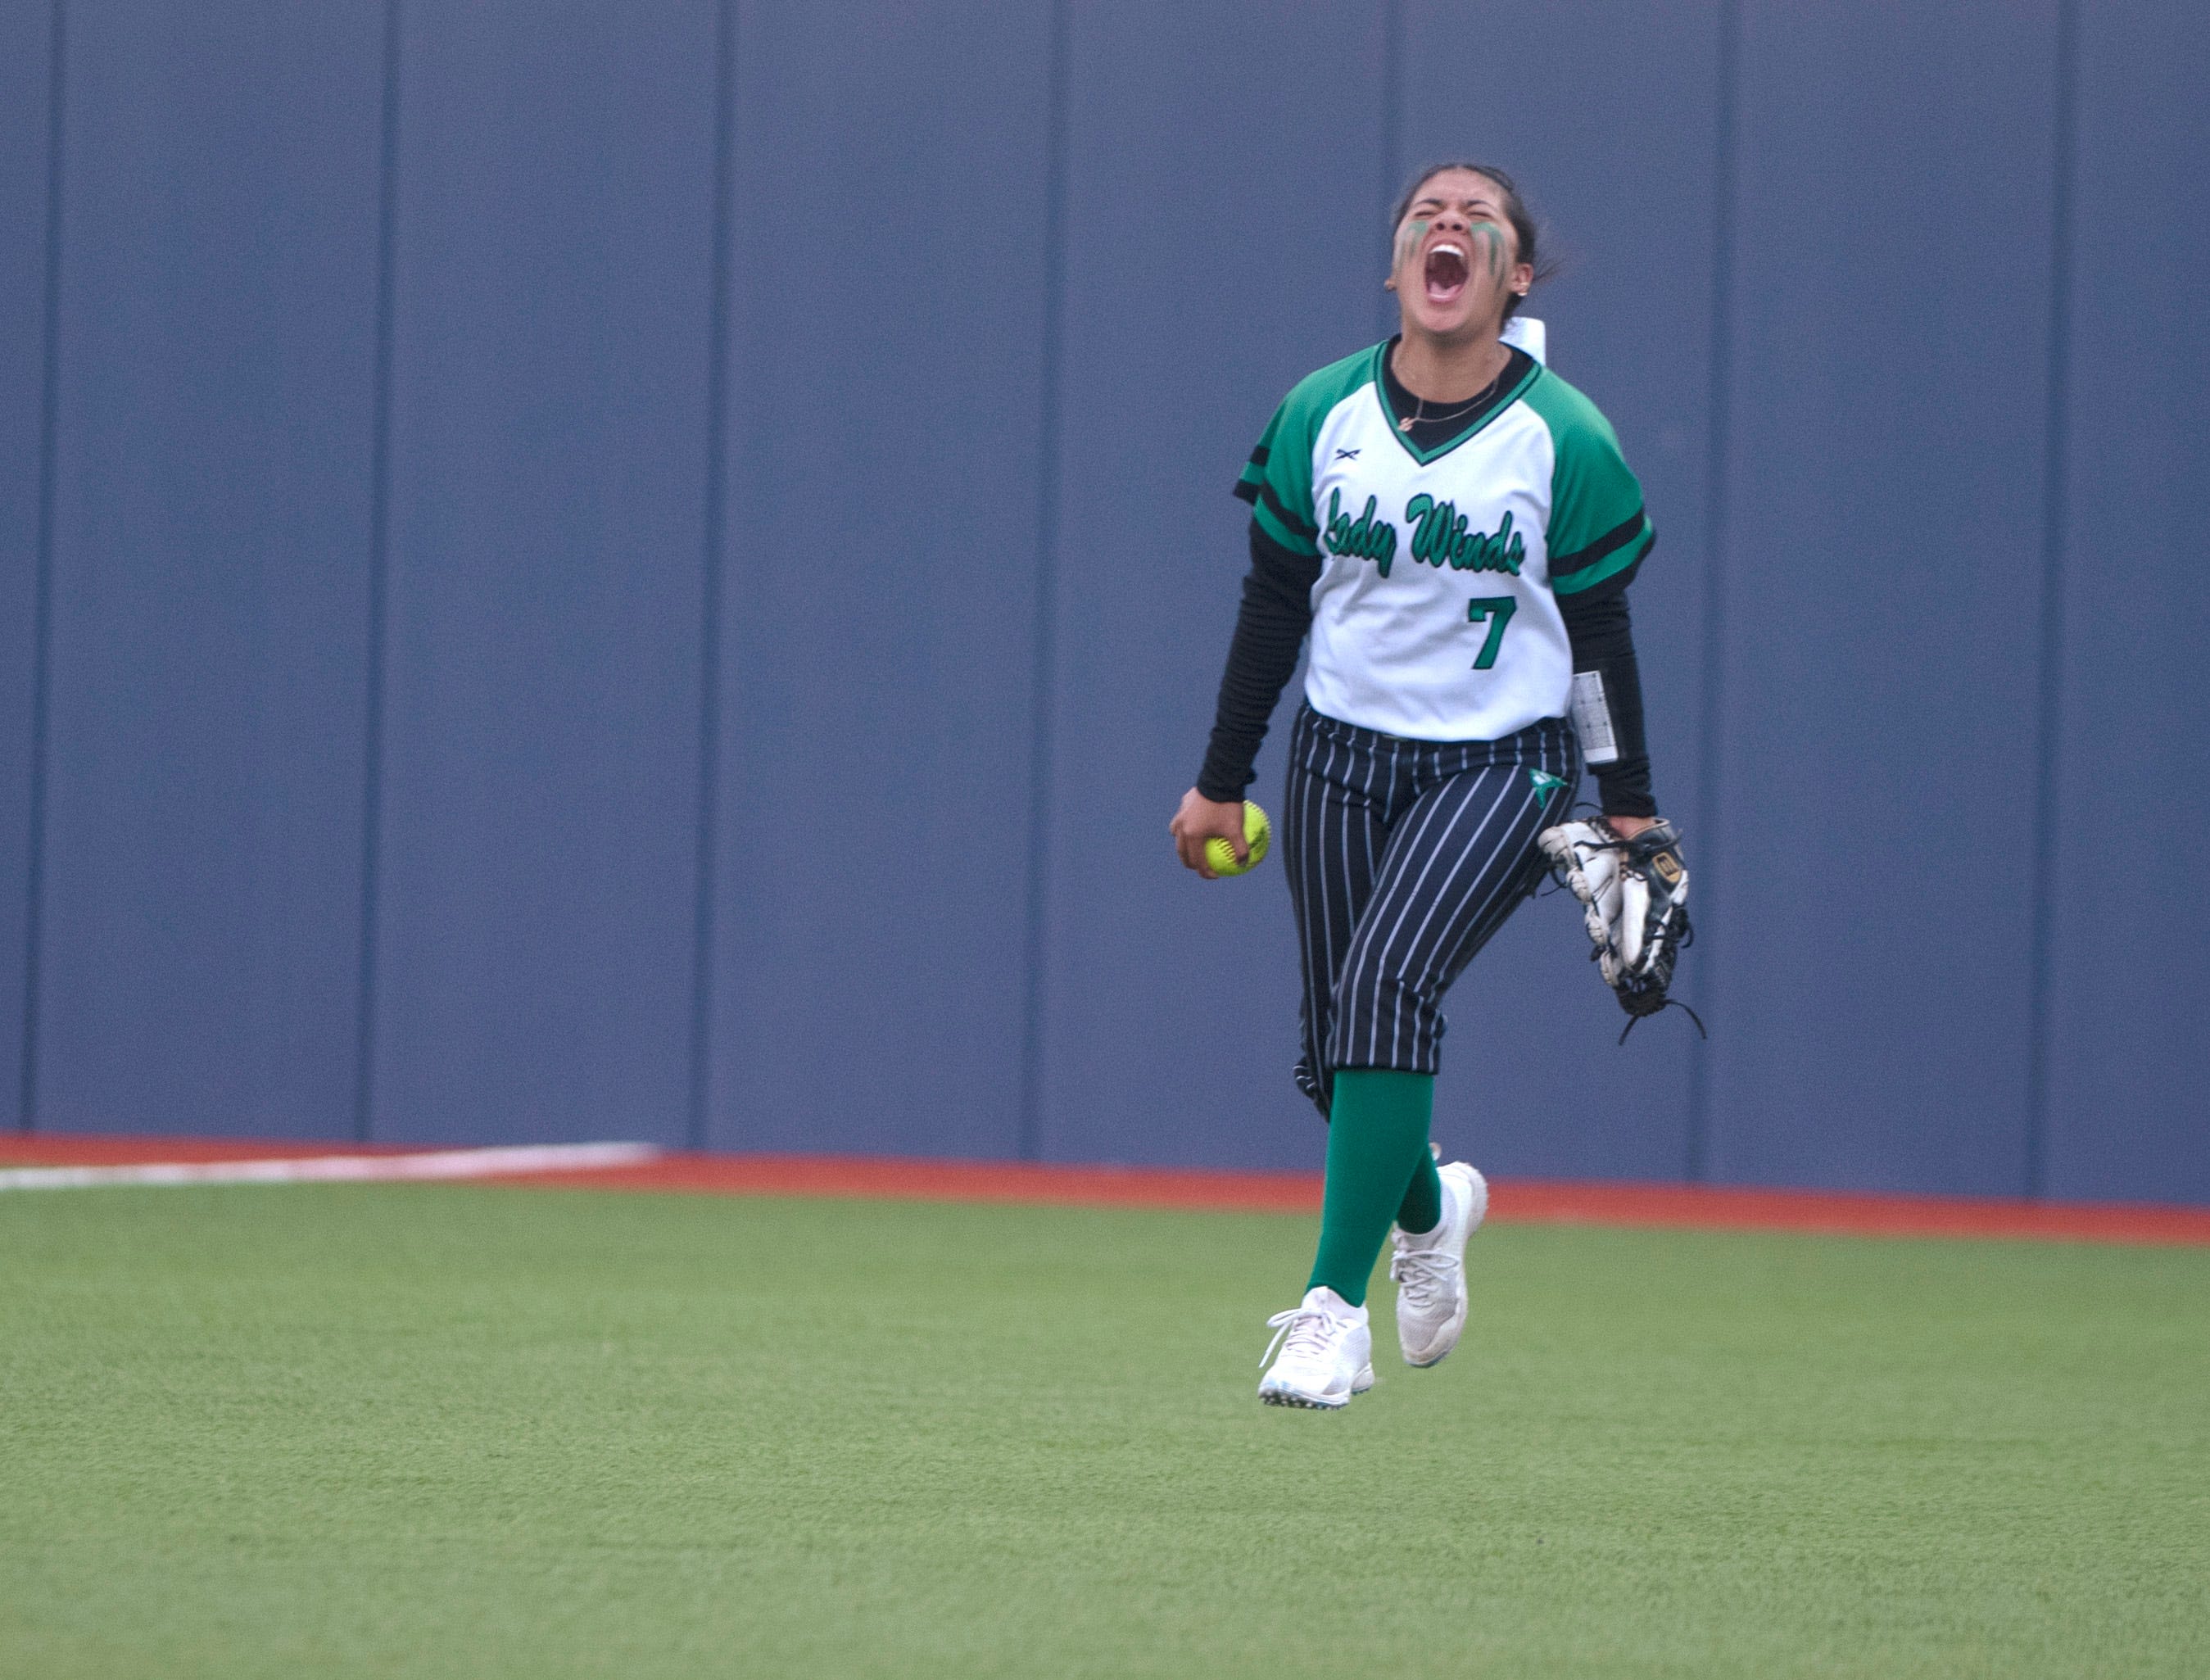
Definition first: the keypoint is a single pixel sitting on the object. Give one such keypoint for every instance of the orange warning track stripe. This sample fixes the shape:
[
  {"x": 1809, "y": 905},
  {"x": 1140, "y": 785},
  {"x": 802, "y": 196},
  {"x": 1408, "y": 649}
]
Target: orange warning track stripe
[{"x": 1706, "y": 1207}]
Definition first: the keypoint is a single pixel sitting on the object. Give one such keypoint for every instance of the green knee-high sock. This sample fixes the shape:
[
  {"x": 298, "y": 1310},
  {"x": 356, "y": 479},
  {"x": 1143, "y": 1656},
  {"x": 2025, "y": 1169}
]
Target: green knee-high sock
[
  {"x": 1422, "y": 1210},
  {"x": 1377, "y": 1135}
]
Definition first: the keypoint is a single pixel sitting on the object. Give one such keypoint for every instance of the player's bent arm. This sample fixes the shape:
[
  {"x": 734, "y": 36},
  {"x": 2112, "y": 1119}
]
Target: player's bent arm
[
  {"x": 1607, "y": 701},
  {"x": 1269, "y": 633}
]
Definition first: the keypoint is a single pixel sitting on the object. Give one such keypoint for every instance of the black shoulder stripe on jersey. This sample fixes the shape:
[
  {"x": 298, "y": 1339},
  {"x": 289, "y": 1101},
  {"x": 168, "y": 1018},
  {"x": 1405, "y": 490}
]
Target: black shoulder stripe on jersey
[
  {"x": 1259, "y": 455},
  {"x": 1292, "y": 522},
  {"x": 1604, "y": 589},
  {"x": 1247, "y": 491},
  {"x": 1610, "y": 542}
]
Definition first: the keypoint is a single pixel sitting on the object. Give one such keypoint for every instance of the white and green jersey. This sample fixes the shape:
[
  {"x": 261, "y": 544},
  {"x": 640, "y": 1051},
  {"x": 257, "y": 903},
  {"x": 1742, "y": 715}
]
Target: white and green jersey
[{"x": 1435, "y": 616}]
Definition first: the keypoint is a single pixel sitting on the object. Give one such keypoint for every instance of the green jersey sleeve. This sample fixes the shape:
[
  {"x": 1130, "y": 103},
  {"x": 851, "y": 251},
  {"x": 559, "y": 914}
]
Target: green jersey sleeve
[
  {"x": 1277, "y": 480},
  {"x": 1598, "y": 527}
]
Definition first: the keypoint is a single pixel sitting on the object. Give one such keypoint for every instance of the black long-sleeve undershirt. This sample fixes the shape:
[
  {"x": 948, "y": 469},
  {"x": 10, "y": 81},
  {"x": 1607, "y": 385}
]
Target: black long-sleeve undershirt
[
  {"x": 1602, "y": 635},
  {"x": 1262, "y": 657},
  {"x": 1269, "y": 633}
]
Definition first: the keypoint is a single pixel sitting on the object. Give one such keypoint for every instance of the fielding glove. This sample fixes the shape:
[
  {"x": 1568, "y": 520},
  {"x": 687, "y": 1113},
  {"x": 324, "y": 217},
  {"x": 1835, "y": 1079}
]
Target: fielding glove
[{"x": 1634, "y": 896}]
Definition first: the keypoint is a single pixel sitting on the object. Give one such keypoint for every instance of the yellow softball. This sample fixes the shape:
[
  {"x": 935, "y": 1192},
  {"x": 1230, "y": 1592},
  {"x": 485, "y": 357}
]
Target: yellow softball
[{"x": 1258, "y": 834}]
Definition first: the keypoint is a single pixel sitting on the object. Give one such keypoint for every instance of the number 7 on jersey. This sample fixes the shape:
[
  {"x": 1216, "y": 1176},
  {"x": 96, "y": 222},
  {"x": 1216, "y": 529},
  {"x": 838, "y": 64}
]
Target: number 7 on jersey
[{"x": 1497, "y": 611}]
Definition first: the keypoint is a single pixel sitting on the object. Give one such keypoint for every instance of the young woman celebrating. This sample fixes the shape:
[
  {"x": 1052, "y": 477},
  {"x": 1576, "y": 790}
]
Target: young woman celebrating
[{"x": 1452, "y": 525}]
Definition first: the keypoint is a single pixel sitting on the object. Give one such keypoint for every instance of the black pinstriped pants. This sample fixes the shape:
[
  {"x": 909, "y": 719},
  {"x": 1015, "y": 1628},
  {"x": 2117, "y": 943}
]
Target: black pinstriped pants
[{"x": 1404, "y": 857}]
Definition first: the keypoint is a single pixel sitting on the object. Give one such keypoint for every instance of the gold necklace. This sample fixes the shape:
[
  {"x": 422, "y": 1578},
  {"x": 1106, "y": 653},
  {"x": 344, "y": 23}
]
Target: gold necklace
[{"x": 1420, "y": 403}]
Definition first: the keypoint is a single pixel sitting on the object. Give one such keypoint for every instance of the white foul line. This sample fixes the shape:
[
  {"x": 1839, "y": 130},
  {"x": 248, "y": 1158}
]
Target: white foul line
[{"x": 339, "y": 1168}]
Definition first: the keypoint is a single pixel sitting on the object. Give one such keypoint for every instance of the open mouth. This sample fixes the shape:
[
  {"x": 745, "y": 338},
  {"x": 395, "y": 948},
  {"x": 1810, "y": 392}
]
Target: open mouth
[{"x": 1447, "y": 272}]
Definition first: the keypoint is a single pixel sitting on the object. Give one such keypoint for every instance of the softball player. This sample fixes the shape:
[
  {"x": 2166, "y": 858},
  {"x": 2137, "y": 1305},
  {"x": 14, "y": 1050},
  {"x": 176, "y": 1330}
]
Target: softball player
[{"x": 1453, "y": 527}]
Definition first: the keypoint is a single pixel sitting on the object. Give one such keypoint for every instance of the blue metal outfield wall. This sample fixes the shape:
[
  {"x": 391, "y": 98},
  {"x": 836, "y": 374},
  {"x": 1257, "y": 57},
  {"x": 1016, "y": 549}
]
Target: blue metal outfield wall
[{"x": 657, "y": 570}]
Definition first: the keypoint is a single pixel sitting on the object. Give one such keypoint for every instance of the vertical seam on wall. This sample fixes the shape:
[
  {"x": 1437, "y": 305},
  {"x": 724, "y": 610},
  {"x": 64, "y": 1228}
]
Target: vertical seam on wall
[
  {"x": 1696, "y": 1163},
  {"x": 42, "y": 587},
  {"x": 1043, "y": 698},
  {"x": 379, "y": 566},
  {"x": 1392, "y": 138},
  {"x": 2055, "y": 512},
  {"x": 710, "y": 646}
]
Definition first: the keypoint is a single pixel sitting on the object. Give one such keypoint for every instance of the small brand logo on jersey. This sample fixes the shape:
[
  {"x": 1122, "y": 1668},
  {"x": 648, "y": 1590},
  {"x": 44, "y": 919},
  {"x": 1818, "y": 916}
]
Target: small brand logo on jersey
[
  {"x": 1545, "y": 783},
  {"x": 1346, "y": 455},
  {"x": 1440, "y": 538}
]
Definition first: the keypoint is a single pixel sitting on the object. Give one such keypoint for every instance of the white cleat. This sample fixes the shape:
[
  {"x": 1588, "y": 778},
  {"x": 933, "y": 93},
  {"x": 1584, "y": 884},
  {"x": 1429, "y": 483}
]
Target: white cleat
[
  {"x": 1429, "y": 1267},
  {"x": 1326, "y": 1353}
]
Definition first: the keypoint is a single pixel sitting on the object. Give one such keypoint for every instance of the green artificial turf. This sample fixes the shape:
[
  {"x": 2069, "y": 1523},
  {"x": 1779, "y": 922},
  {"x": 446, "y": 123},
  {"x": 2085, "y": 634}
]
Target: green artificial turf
[{"x": 382, "y": 1430}]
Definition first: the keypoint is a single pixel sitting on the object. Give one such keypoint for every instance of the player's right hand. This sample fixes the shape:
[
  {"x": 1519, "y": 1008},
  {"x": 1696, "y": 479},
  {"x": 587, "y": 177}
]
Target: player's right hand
[{"x": 1200, "y": 819}]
